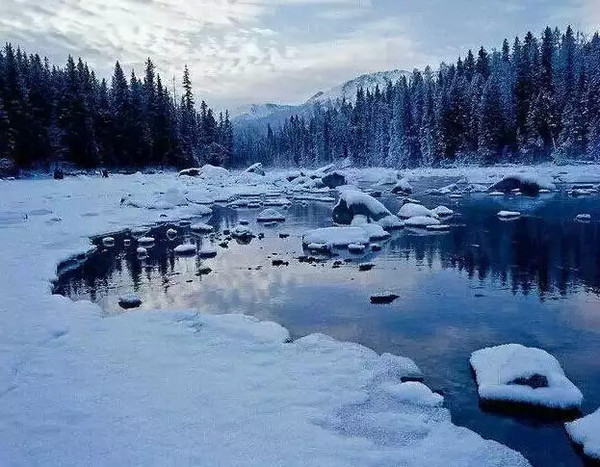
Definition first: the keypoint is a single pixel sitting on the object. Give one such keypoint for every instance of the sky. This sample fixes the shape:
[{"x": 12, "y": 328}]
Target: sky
[{"x": 254, "y": 51}]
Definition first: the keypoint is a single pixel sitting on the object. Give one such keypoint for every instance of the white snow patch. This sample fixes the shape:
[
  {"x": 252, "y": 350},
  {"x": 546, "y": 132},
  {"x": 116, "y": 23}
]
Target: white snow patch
[
  {"x": 586, "y": 432},
  {"x": 270, "y": 215},
  {"x": 413, "y": 210},
  {"x": 336, "y": 236}
]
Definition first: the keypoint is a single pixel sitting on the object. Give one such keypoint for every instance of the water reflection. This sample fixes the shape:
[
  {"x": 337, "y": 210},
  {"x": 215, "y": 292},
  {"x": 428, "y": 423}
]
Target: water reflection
[{"x": 535, "y": 281}]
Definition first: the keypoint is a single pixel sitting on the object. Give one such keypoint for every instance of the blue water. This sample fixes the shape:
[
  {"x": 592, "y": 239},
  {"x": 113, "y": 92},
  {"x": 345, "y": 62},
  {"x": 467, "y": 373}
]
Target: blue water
[{"x": 535, "y": 281}]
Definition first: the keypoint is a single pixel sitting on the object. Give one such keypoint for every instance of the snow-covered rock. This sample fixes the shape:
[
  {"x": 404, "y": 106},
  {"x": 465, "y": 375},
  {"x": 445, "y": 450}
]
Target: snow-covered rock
[
  {"x": 171, "y": 233},
  {"x": 527, "y": 375},
  {"x": 207, "y": 252},
  {"x": 586, "y": 433},
  {"x": 443, "y": 211},
  {"x": 255, "y": 169},
  {"x": 356, "y": 248},
  {"x": 391, "y": 222},
  {"x": 270, "y": 215},
  {"x": 185, "y": 249},
  {"x": 108, "y": 241},
  {"x": 334, "y": 179},
  {"x": 446, "y": 190},
  {"x": 242, "y": 232},
  {"x": 412, "y": 210},
  {"x": 131, "y": 300},
  {"x": 508, "y": 214},
  {"x": 528, "y": 184},
  {"x": 145, "y": 240},
  {"x": 141, "y": 251},
  {"x": 438, "y": 227},
  {"x": 389, "y": 178},
  {"x": 496, "y": 193},
  {"x": 583, "y": 217},
  {"x": 201, "y": 227},
  {"x": 421, "y": 222},
  {"x": 191, "y": 172},
  {"x": 413, "y": 392},
  {"x": 375, "y": 231},
  {"x": 336, "y": 236},
  {"x": 353, "y": 202},
  {"x": 403, "y": 186}
]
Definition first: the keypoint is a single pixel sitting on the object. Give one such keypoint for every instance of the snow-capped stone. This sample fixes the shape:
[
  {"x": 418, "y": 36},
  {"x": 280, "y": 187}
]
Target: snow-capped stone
[
  {"x": 583, "y": 217},
  {"x": 319, "y": 247},
  {"x": 390, "y": 222},
  {"x": 421, "y": 221},
  {"x": 356, "y": 248},
  {"x": 413, "y": 210},
  {"x": 207, "y": 252},
  {"x": 277, "y": 202},
  {"x": 508, "y": 214},
  {"x": 374, "y": 231},
  {"x": 171, "y": 233},
  {"x": 128, "y": 301},
  {"x": 496, "y": 193},
  {"x": 191, "y": 172},
  {"x": 270, "y": 215},
  {"x": 185, "y": 249},
  {"x": 145, "y": 240},
  {"x": 242, "y": 232},
  {"x": 413, "y": 392},
  {"x": 446, "y": 190},
  {"x": 443, "y": 211},
  {"x": 403, "y": 186},
  {"x": 390, "y": 178},
  {"x": 336, "y": 236},
  {"x": 202, "y": 227},
  {"x": 517, "y": 374},
  {"x": 255, "y": 169},
  {"x": 438, "y": 227},
  {"x": 353, "y": 202},
  {"x": 141, "y": 251},
  {"x": 527, "y": 184},
  {"x": 334, "y": 179},
  {"x": 456, "y": 196},
  {"x": 586, "y": 433},
  {"x": 108, "y": 241}
]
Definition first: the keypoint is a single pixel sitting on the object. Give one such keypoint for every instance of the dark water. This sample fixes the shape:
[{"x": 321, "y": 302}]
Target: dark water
[{"x": 535, "y": 281}]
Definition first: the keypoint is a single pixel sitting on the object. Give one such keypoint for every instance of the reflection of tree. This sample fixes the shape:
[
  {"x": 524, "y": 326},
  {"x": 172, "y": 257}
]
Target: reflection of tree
[{"x": 549, "y": 254}]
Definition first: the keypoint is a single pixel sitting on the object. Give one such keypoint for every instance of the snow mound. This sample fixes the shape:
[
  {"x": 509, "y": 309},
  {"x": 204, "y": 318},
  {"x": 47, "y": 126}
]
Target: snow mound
[
  {"x": 108, "y": 241},
  {"x": 141, "y": 251},
  {"x": 414, "y": 210},
  {"x": 586, "y": 432},
  {"x": 207, "y": 252},
  {"x": 374, "y": 231},
  {"x": 242, "y": 232},
  {"x": 390, "y": 178},
  {"x": 356, "y": 247},
  {"x": 270, "y": 215},
  {"x": 336, "y": 236},
  {"x": 413, "y": 392},
  {"x": 353, "y": 202},
  {"x": 145, "y": 240},
  {"x": 583, "y": 217},
  {"x": 421, "y": 221},
  {"x": 527, "y": 375}
]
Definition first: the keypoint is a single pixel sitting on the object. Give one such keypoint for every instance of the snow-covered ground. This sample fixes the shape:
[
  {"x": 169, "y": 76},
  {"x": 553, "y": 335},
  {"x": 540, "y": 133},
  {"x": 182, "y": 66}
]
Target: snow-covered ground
[{"x": 181, "y": 387}]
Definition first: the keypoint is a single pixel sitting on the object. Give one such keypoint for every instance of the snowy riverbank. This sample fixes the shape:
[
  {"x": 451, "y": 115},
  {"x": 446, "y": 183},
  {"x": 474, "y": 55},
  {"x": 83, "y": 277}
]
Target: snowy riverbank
[{"x": 182, "y": 388}]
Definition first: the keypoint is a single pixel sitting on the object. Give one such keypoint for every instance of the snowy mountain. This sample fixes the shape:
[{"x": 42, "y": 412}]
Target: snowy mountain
[
  {"x": 277, "y": 113},
  {"x": 348, "y": 89}
]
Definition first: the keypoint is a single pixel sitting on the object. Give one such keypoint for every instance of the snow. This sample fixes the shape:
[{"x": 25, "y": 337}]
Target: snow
[
  {"x": 185, "y": 249},
  {"x": 356, "y": 248},
  {"x": 374, "y": 231},
  {"x": 145, "y": 240},
  {"x": 508, "y": 214},
  {"x": 498, "y": 368},
  {"x": 390, "y": 222},
  {"x": 141, "y": 251},
  {"x": 583, "y": 217},
  {"x": 421, "y": 221},
  {"x": 527, "y": 183},
  {"x": 270, "y": 215},
  {"x": 207, "y": 252},
  {"x": 412, "y": 210},
  {"x": 255, "y": 169},
  {"x": 108, "y": 241},
  {"x": 166, "y": 388},
  {"x": 171, "y": 233},
  {"x": 586, "y": 432},
  {"x": 242, "y": 231}
]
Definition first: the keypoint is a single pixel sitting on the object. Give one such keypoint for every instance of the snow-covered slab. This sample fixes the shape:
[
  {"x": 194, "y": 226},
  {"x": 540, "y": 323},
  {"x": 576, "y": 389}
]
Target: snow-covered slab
[
  {"x": 201, "y": 227},
  {"x": 242, "y": 231},
  {"x": 402, "y": 186},
  {"x": 185, "y": 249},
  {"x": 586, "y": 432},
  {"x": 443, "y": 211},
  {"x": 336, "y": 236},
  {"x": 391, "y": 222},
  {"x": 129, "y": 301},
  {"x": 526, "y": 375},
  {"x": 526, "y": 183}
]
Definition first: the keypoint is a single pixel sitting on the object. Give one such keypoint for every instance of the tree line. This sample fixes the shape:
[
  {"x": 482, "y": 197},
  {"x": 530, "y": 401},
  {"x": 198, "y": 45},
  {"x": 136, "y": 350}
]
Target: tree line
[
  {"x": 536, "y": 99},
  {"x": 51, "y": 115}
]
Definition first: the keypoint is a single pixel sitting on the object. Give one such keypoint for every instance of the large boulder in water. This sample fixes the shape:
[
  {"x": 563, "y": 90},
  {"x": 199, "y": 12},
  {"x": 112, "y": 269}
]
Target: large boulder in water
[
  {"x": 334, "y": 179},
  {"x": 528, "y": 185},
  {"x": 356, "y": 203}
]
